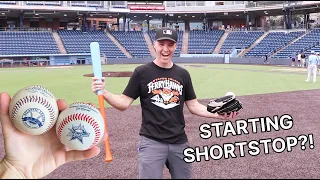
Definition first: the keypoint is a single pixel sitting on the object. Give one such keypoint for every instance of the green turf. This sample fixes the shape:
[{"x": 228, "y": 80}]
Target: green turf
[{"x": 70, "y": 84}]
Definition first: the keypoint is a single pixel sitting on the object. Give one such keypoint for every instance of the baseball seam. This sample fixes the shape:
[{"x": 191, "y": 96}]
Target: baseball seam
[
  {"x": 81, "y": 117},
  {"x": 35, "y": 99}
]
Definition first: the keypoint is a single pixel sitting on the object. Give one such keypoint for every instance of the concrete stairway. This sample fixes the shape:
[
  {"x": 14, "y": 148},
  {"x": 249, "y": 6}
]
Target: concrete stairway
[
  {"x": 58, "y": 40},
  {"x": 116, "y": 42},
  {"x": 185, "y": 42},
  {"x": 253, "y": 44},
  {"x": 149, "y": 44},
  {"x": 221, "y": 41}
]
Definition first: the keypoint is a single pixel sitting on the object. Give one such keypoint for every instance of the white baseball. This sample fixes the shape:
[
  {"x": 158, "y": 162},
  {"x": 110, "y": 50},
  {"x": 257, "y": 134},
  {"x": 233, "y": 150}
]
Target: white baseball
[
  {"x": 33, "y": 110},
  {"x": 230, "y": 94},
  {"x": 80, "y": 126}
]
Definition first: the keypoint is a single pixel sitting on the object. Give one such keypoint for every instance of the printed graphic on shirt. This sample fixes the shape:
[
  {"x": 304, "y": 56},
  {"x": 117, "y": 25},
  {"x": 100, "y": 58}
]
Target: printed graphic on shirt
[{"x": 165, "y": 92}]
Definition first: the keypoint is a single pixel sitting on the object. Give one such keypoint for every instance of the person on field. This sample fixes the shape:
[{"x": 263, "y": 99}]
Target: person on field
[
  {"x": 163, "y": 88},
  {"x": 312, "y": 66}
]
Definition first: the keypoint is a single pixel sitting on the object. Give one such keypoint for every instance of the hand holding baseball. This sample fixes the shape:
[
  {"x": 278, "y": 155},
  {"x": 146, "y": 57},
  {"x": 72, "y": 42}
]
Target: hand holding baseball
[
  {"x": 36, "y": 156},
  {"x": 98, "y": 85}
]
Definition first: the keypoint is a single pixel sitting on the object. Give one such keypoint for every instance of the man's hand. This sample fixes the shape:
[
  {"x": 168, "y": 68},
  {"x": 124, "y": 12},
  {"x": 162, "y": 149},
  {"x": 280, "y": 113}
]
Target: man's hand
[
  {"x": 36, "y": 156},
  {"x": 98, "y": 85}
]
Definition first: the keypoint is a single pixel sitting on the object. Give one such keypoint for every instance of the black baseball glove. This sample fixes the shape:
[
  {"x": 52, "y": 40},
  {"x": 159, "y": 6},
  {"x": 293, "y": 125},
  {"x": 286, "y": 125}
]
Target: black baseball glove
[{"x": 225, "y": 104}]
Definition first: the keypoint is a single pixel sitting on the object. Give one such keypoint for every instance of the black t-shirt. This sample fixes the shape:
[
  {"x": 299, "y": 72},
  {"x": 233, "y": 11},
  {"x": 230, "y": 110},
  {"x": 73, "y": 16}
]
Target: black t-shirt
[{"x": 162, "y": 93}]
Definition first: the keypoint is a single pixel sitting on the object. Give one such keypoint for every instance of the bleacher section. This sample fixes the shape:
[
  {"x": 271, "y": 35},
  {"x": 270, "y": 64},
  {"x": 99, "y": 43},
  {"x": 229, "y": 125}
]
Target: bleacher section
[
  {"x": 239, "y": 40},
  {"x": 76, "y": 42},
  {"x": 315, "y": 48},
  {"x": 310, "y": 40},
  {"x": 133, "y": 42},
  {"x": 152, "y": 35},
  {"x": 27, "y": 42},
  {"x": 272, "y": 43},
  {"x": 202, "y": 42},
  {"x": 7, "y": 2}
]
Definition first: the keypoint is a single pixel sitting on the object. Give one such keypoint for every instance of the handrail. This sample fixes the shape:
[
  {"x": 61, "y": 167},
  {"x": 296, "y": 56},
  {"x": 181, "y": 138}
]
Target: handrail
[{"x": 25, "y": 29}]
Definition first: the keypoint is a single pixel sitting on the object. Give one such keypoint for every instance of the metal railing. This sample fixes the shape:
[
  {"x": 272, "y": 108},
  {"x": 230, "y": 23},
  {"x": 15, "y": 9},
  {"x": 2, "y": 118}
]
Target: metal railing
[
  {"x": 265, "y": 4},
  {"x": 25, "y": 29}
]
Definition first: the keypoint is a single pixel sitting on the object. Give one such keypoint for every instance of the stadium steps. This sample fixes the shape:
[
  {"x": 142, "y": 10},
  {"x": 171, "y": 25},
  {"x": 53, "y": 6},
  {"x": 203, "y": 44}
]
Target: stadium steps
[
  {"x": 60, "y": 45},
  {"x": 185, "y": 42},
  {"x": 149, "y": 44},
  {"x": 290, "y": 43},
  {"x": 242, "y": 53},
  {"x": 116, "y": 42},
  {"x": 221, "y": 41}
]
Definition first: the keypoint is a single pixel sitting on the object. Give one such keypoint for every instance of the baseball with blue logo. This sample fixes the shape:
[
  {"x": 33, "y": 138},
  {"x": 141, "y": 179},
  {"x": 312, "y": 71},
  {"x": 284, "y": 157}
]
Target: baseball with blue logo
[
  {"x": 80, "y": 126},
  {"x": 33, "y": 110}
]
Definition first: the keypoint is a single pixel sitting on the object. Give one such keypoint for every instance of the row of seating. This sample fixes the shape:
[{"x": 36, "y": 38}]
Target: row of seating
[
  {"x": 240, "y": 40},
  {"x": 16, "y": 43},
  {"x": 134, "y": 42},
  {"x": 272, "y": 43},
  {"x": 203, "y": 42},
  {"x": 306, "y": 42},
  {"x": 199, "y": 42},
  {"x": 77, "y": 41}
]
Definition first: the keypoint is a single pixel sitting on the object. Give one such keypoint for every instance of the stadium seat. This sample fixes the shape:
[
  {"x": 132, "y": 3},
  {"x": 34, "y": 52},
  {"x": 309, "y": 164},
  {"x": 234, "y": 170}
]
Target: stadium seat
[
  {"x": 133, "y": 42},
  {"x": 27, "y": 42},
  {"x": 307, "y": 42},
  {"x": 272, "y": 43},
  {"x": 203, "y": 42},
  {"x": 239, "y": 40},
  {"x": 77, "y": 42}
]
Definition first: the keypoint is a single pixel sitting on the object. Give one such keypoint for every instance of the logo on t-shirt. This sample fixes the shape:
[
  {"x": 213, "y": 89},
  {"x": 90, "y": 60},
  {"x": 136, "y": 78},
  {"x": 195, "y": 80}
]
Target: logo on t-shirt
[{"x": 165, "y": 92}]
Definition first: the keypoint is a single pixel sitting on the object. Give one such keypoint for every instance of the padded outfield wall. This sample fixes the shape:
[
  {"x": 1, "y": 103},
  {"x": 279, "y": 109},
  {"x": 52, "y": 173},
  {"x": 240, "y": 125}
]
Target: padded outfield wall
[
  {"x": 219, "y": 60},
  {"x": 62, "y": 59}
]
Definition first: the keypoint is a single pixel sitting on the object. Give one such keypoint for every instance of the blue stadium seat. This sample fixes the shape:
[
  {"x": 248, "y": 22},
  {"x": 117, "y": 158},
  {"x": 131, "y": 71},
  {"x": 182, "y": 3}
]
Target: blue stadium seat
[
  {"x": 27, "y": 42},
  {"x": 133, "y": 42},
  {"x": 272, "y": 43},
  {"x": 307, "y": 42},
  {"x": 239, "y": 40},
  {"x": 203, "y": 42},
  {"x": 77, "y": 42}
]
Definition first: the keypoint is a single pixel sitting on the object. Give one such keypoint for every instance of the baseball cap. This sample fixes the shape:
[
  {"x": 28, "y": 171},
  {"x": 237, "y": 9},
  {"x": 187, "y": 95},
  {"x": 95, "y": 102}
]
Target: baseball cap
[
  {"x": 313, "y": 52},
  {"x": 166, "y": 33}
]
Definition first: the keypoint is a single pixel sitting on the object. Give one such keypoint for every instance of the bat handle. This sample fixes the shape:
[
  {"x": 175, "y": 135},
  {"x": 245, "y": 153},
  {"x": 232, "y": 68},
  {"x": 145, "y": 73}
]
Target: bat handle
[
  {"x": 103, "y": 111},
  {"x": 108, "y": 157}
]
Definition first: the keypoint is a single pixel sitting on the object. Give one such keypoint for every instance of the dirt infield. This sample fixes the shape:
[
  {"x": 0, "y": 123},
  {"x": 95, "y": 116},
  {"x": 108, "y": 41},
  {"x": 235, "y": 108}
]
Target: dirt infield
[{"x": 303, "y": 106}]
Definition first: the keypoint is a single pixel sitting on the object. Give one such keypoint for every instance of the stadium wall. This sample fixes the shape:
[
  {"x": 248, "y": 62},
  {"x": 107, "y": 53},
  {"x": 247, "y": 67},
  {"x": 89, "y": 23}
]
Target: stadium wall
[
  {"x": 217, "y": 60},
  {"x": 60, "y": 60}
]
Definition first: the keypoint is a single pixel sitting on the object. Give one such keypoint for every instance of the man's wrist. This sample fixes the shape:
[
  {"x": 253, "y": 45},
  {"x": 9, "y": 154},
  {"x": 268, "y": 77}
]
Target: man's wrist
[{"x": 7, "y": 171}]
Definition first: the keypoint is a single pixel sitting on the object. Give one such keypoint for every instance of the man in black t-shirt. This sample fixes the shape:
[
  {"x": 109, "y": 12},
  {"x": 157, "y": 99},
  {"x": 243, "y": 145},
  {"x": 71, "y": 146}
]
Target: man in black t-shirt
[{"x": 163, "y": 88}]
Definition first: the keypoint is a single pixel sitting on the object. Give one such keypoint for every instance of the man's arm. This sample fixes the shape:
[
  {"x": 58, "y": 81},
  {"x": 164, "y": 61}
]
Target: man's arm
[
  {"x": 199, "y": 109},
  {"x": 120, "y": 102}
]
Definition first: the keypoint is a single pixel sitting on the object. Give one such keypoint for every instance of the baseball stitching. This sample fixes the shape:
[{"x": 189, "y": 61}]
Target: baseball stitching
[
  {"x": 35, "y": 99},
  {"x": 81, "y": 117}
]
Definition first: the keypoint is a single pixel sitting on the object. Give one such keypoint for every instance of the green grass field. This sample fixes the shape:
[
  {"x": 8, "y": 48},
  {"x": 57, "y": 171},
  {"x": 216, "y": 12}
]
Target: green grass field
[{"x": 214, "y": 81}]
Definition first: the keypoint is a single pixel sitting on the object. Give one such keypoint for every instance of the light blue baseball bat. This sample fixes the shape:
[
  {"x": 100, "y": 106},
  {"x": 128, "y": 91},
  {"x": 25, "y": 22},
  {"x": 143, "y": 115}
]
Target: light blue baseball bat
[
  {"x": 97, "y": 71},
  {"x": 96, "y": 62}
]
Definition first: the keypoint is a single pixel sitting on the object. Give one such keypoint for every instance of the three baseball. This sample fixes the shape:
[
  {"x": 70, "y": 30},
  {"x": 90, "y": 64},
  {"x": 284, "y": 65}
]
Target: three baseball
[
  {"x": 33, "y": 110},
  {"x": 80, "y": 126}
]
